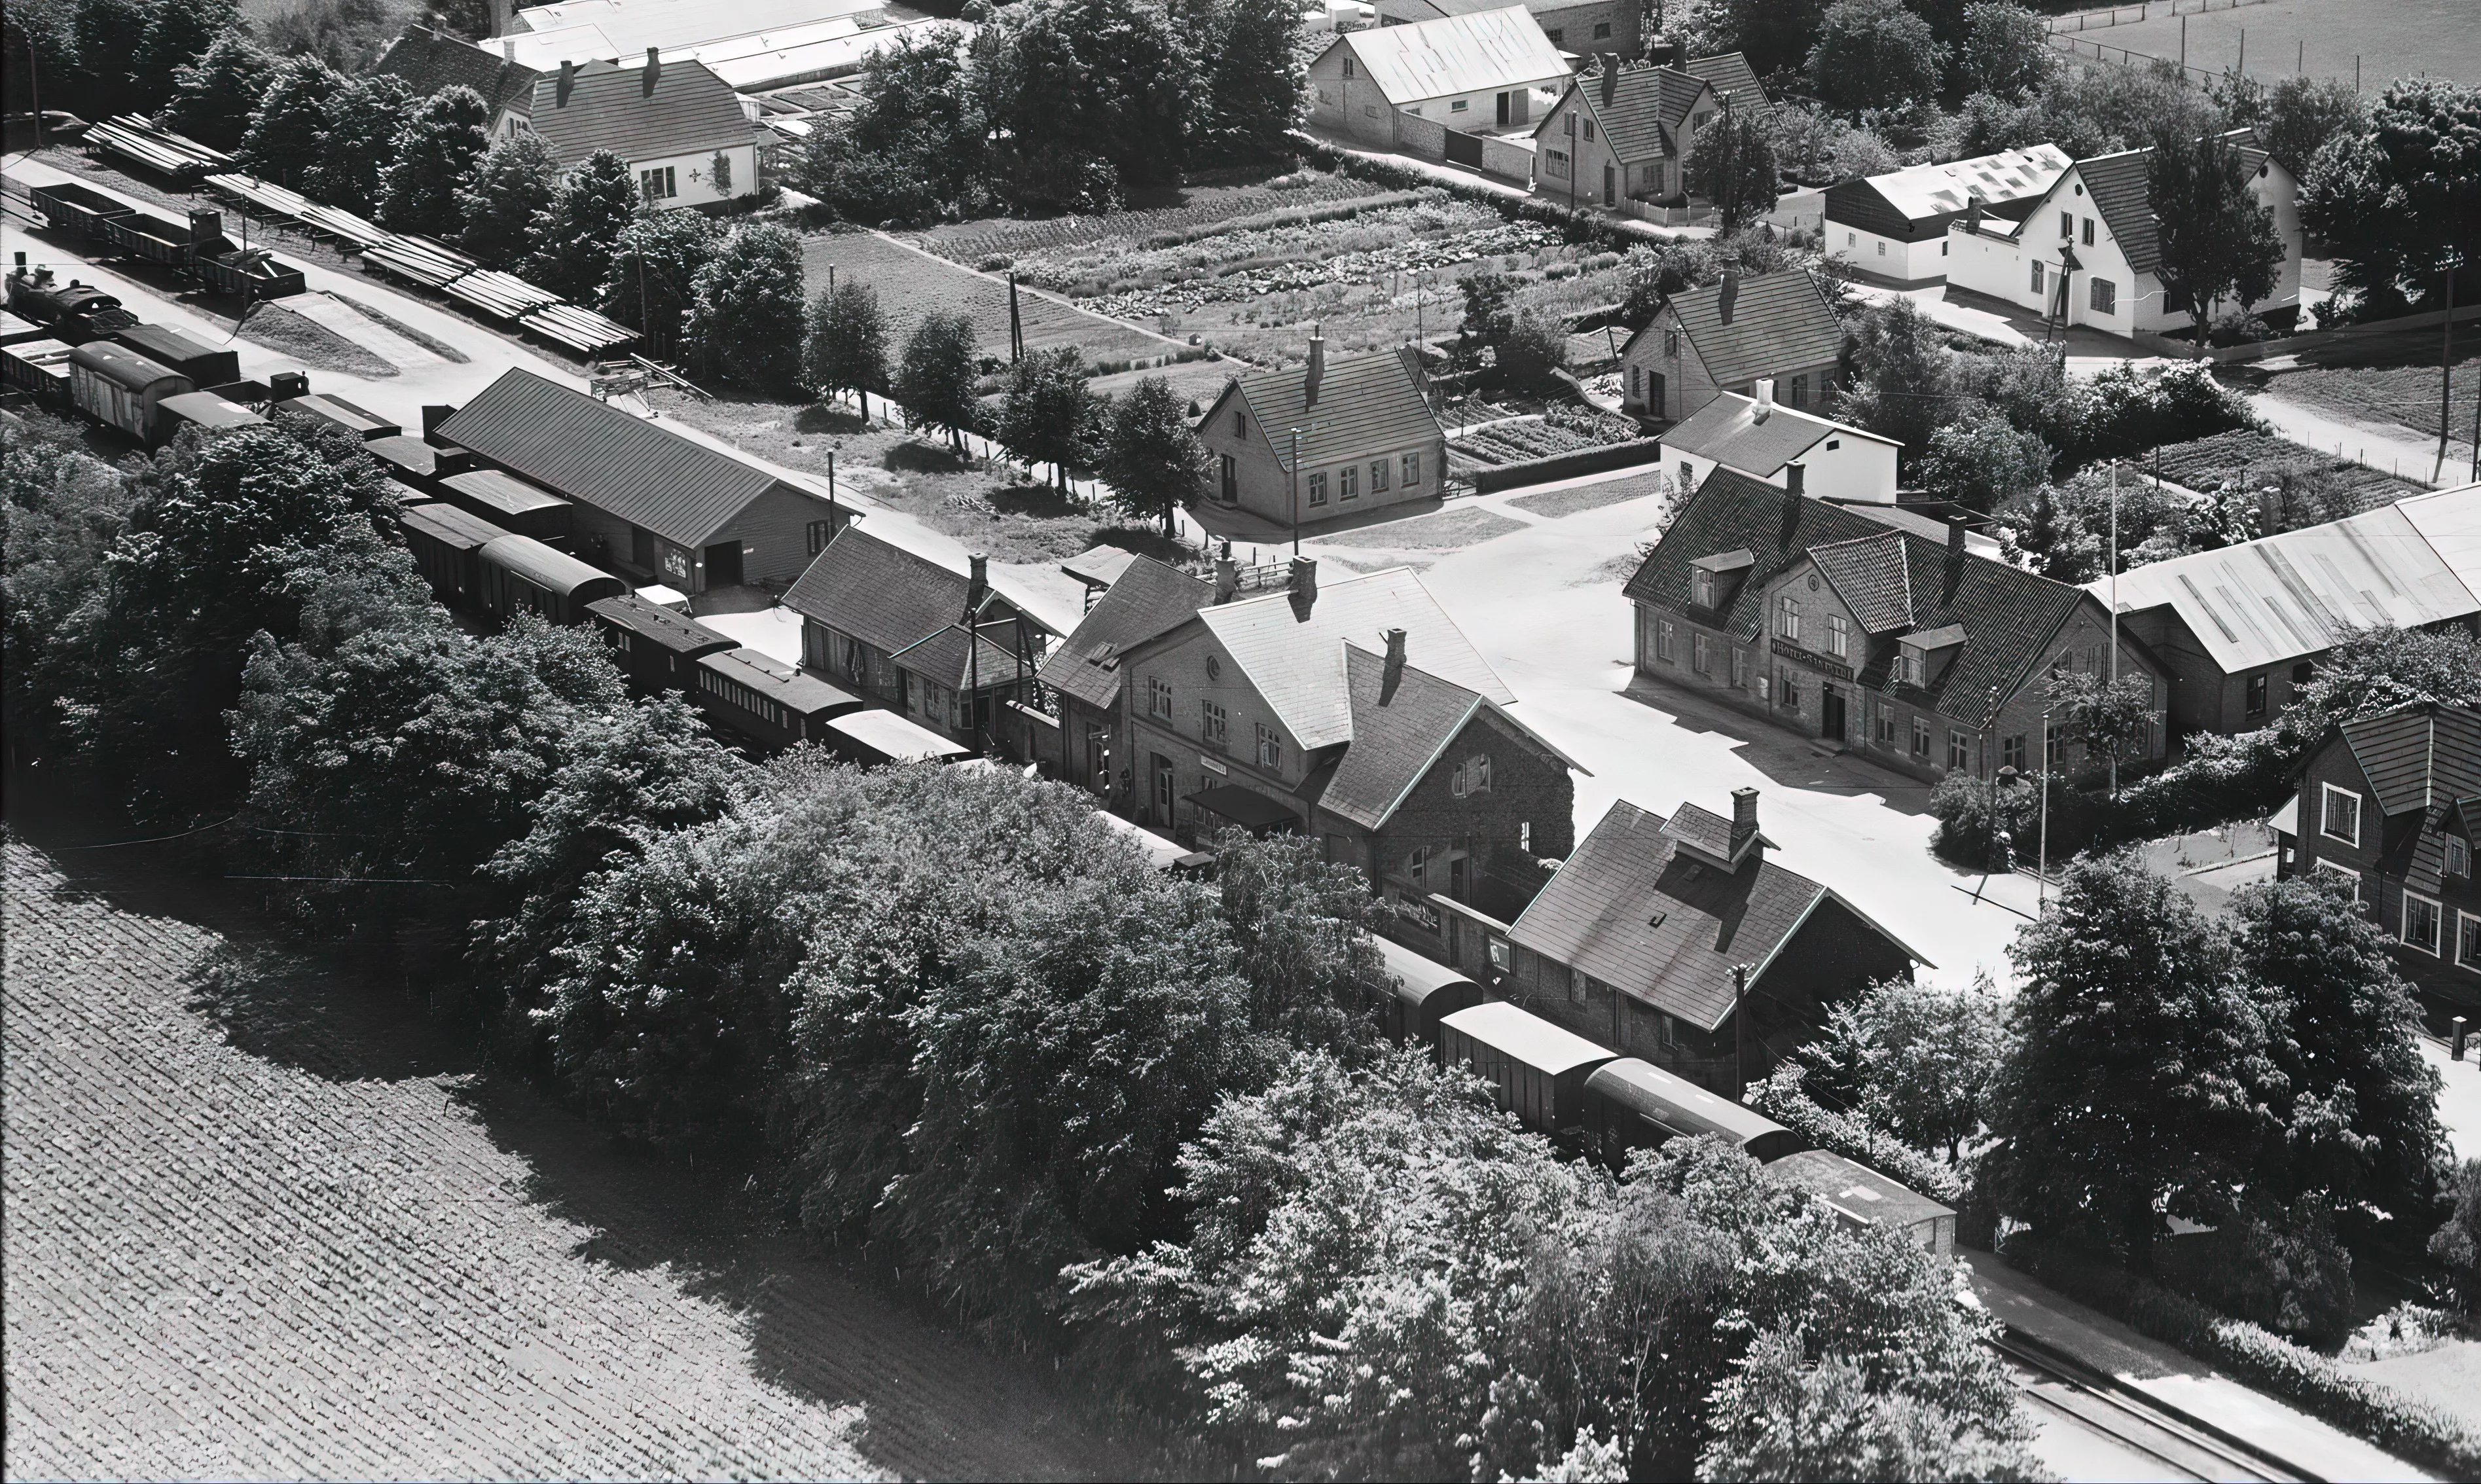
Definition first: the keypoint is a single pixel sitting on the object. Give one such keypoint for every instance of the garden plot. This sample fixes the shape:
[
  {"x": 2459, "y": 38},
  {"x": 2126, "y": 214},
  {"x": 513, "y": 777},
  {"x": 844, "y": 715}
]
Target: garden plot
[
  {"x": 1523, "y": 439},
  {"x": 2403, "y": 394},
  {"x": 977, "y": 242},
  {"x": 2209, "y": 464},
  {"x": 913, "y": 285}
]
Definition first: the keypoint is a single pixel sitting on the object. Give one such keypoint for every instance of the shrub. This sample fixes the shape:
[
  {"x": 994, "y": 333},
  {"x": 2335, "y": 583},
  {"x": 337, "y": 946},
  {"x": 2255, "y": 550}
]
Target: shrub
[
  {"x": 1970, "y": 811},
  {"x": 1782, "y": 1098},
  {"x": 2133, "y": 409}
]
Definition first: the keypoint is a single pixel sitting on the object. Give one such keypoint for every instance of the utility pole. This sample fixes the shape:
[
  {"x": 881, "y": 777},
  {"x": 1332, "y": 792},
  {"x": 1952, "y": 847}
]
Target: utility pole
[
  {"x": 2114, "y": 612},
  {"x": 1739, "y": 1029},
  {"x": 2043, "y": 894},
  {"x": 2446, "y": 367}
]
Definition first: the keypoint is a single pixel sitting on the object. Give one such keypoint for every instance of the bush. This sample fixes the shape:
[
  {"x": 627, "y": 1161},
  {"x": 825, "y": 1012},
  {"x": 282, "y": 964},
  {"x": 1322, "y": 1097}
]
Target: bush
[
  {"x": 2282, "y": 1270},
  {"x": 1970, "y": 811},
  {"x": 1782, "y": 1098},
  {"x": 2133, "y": 409}
]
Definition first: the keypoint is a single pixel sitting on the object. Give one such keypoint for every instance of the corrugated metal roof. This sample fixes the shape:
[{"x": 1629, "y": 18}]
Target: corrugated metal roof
[
  {"x": 1528, "y": 1038},
  {"x": 1921, "y": 191},
  {"x": 1146, "y": 599},
  {"x": 1780, "y": 321},
  {"x": 598, "y": 455},
  {"x": 688, "y": 110},
  {"x": 1293, "y": 654},
  {"x": 1856, "y": 1190},
  {"x": 2281, "y": 597},
  {"x": 1458, "y": 54},
  {"x": 1367, "y": 403}
]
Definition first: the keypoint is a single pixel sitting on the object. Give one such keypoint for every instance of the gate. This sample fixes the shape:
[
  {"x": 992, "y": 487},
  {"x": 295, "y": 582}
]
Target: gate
[{"x": 1464, "y": 149}]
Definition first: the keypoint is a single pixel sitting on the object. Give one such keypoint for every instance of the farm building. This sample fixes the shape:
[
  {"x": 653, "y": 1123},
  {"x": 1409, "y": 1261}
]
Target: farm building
[
  {"x": 1893, "y": 227},
  {"x": 1864, "y": 1197},
  {"x": 1574, "y": 27},
  {"x": 1730, "y": 336},
  {"x": 1475, "y": 72},
  {"x": 678, "y": 126},
  {"x": 1621, "y": 132},
  {"x": 1143, "y": 600},
  {"x": 1641, "y": 935},
  {"x": 2088, "y": 250},
  {"x": 2243, "y": 628},
  {"x": 649, "y": 503},
  {"x": 1299, "y": 445},
  {"x": 1761, "y": 438},
  {"x": 428, "y": 60}
]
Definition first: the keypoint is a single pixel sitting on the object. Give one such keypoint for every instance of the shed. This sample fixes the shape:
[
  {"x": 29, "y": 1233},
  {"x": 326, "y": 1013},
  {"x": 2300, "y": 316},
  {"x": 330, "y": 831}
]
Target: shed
[
  {"x": 520, "y": 573},
  {"x": 446, "y": 543},
  {"x": 206, "y": 409},
  {"x": 766, "y": 701},
  {"x": 192, "y": 357},
  {"x": 1425, "y": 992},
  {"x": 1632, "y": 1104},
  {"x": 518, "y": 505},
  {"x": 657, "y": 648},
  {"x": 361, "y": 422},
  {"x": 1538, "y": 1069},
  {"x": 1864, "y": 1197},
  {"x": 870, "y": 737}
]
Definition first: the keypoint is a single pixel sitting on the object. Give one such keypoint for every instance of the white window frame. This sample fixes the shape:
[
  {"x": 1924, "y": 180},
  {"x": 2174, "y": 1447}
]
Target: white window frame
[
  {"x": 2333, "y": 868},
  {"x": 1701, "y": 654},
  {"x": 1158, "y": 697},
  {"x": 2456, "y": 857},
  {"x": 2467, "y": 925},
  {"x": 2437, "y": 923},
  {"x": 1215, "y": 724},
  {"x": 1271, "y": 748},
  {"x": 2326, "y": 795},
  {"x": 1839, "y": 636},
  {"x": 1787, "y": 617}
]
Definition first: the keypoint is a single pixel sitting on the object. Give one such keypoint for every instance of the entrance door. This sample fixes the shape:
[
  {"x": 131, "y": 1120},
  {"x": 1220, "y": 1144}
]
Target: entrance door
[
  {"x": 1654, "y": 404},
  {"x": 1231, "y": 480},
  {"x": 1502, "y": 108},
  {"x": 723, "y": 564},
  {"x": 1831, "y": 703},
  {"x": 1610, "y": 185},
  {"x": 1162, "y": 792}
]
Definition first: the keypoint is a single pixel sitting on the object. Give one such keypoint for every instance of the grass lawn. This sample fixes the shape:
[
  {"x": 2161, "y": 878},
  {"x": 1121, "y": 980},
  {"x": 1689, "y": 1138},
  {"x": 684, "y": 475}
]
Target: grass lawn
[
  {"x": 912, "y": 286},
  {"x": 2405, "y": 395}
]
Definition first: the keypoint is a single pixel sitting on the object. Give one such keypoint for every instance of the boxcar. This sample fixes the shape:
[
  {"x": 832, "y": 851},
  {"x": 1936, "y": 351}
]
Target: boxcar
[
  {"x": 447, "y": 545},
  {"x": 522, "y": 575},
  {"x": 1425, "y": 992},
  {"x": 202, "y": 363},
  {"x": 874, "y": 737},
  {"x": 118, "y": 386},
  {"x": 361, "y": 422},
  {"x": 1538, "y": 1069},
  {"x": 419, "y": 464},
  {"x": 13, "y": 330},
  {"x": 204, "y": 410},
  {"x": 77, "y": 210},
  {"x": 1864, "y": 1197},
  {"x": 656, "y": 648},
  {"x": 766, "y": 701},
  {"x": 505, "y": 500},
  {"x": 41, "y": 369},
  {"x": 73, "y": 312},
  {"x": 1632, "y": 1104}
]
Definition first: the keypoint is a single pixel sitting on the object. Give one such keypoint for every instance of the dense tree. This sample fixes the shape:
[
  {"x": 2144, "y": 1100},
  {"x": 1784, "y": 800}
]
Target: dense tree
[
  {"x": 443, "y": 138},
  {"x": 511, "y": 185},
  {"x": 919, "y": 111},
  {"x": 2127, "y": 408},
  {"x": 107, "y": 33},
  {"x": 2088, "y": 112},
  {"x": 654, "y": 270},
  {"x": 178, "y": 32},
  {"x": 214, "y": 96},
  {"x": 1981, "y": 459},
  {"x": 2111, "y": 719},
  {"x": 1152, "y": 458},
  {"x": 2063, "y": 530},
  {"x": 1776, "y": 33},
  {"x": 1066, "y": 82},
  {"x": 283, "y": 142},
  {"x": 2217, "y": 241},
  {"x": 2136, "y": 1080},
  {"x": 1732, "y": 164},
  {"x": 1049, "y": 414},
  {"x": 2456, "y": 1245},
  {"x": 65, "y": 510},
  {"x": 2293, "y": 116},
  {"x": 845, "y": 348},
  {"x": 2396, "y": 193},
  {"x": 1912, "y": 1059},
  {"x": 744, "y": 320},
  {"x": 578, "y": 235},
  {"x": 1255, "y": 82},
  {"x": 2005, "y": 50},
  {"x": 365, "y": 121},
  {"x": 1875, "y": 54},
  {"x": 1897, "y": 378},
  {"x": 936, "y": 380}
]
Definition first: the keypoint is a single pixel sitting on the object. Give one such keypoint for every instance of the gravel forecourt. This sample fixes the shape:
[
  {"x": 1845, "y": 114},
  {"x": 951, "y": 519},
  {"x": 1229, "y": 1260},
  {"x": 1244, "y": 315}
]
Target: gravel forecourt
[{"x": 264, "y": 1220}]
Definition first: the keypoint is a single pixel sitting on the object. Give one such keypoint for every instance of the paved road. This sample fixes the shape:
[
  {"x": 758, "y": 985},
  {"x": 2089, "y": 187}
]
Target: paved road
[
  {"x": 260, "y": 1221},
  {"x": 2390, "y": 448}
]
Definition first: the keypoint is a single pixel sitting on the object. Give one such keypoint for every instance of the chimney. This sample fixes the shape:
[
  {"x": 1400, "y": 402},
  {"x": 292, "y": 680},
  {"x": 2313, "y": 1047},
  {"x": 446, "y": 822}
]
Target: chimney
[
  {"x": 509, "y": 50},
  {"x": 1227, "y": 575},
  {"x": 567, "y": 81},
  {"x": 654, "y": 69},
  {"x": 1731, "y": 296},
  {"x": 1955, "y": 536},
  {"x": 1744, "y": 820},
  {"x": 1766, "y": 389},
  {"x": 1304, "y": 581},
  {"x": 1610, "y": 78},
  {"x": 979, "y": 581},
  {"x": 21, "y": 265},
  {"x": 1796, "y": 477},
  {"x": 1394, "y": 672},
  {"x": 1972, "y": 215},
  {"x": 1318, "y": 368}
]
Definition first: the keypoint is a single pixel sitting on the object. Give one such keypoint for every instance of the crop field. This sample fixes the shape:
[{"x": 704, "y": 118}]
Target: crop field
[
  {"x": 913, "y": 286},
  {"x": 2209, "y": 464},
  {"x": 973, "y": 243},
  {"x": 2404, "y": 395}
]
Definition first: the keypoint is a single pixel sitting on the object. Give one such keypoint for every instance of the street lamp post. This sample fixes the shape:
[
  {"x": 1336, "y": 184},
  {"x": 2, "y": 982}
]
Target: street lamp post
[
  {"x": 2003, "y": 841},
  {"x": 2043, "y": 892}
]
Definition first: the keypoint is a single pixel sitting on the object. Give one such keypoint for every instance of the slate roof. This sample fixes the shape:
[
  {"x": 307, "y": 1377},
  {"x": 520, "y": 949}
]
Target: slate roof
[
  {"x": 1648, "y": 104},
  {"x": 1731, "y": 77},
  {"x": 598, "y": 455},
  {"x": 1701, "y": 828},
  {"x": 1398, "y": 733},
  {"x": 1146, "y": 600},
  {"x": 428, "y": 62},
  {"x": 1294, "y": 657},
  {"x": 1872, "y": 578},
  {"x": 1727, "y": 430},
  {"x": 2119, "y": 190},
  {"x": 1472, "y": 53},
  {"x": 1779, "y": 321},
  {"x": 2419, "y": 758},
  {"x": 905, "y": 604},
  {"x": 2009, "y": 616},
  {"x": 1628, "y": 908},
  {"x": 685, "y": 110},
  {"x": 1367, "y": 403}
]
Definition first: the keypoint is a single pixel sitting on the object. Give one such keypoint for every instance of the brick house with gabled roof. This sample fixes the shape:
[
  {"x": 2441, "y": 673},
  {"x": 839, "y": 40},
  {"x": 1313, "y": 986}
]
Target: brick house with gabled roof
[
  {"x": 1302, "y": 444},
  {"x": 678, "y": 126},
  {"x": 1920, "y": 655},
  {"x": 1728, "y": 337},
  {"x": 1084, "y": 670},
  {"x": 428, "y": 60},
  {"x": 2392, "y": 803},
  {"x": 1639, "y": 940},
  {"x": 1621, "y": 132}
]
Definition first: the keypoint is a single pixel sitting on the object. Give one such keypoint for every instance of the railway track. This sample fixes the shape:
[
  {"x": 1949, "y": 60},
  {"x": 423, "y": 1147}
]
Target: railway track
[{"x": 2090, "y": 1399}]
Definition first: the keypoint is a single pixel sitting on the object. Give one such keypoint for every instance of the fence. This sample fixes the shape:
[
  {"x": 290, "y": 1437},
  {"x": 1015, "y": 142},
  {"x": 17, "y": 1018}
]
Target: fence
[
  {"x": 2077, "y": 47},
  {"x": 2103, "y": 19}
]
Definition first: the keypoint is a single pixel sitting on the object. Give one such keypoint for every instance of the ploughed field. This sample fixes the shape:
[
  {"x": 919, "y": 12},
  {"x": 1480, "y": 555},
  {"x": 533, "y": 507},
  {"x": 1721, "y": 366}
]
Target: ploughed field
[{"x": 913, "y": 286}]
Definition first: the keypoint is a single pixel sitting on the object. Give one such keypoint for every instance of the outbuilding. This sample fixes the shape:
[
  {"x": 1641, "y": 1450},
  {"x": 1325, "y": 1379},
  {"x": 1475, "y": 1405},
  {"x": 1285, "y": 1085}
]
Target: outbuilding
[
  {"x": 1473, "y": 73},
  {"x": 1893, "y": 227}
]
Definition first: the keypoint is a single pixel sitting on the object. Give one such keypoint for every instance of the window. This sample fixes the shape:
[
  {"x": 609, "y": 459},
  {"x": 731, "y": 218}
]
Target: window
[
  {"x": 2420, "y": 923},
  {"x": 1839, "y": 636},
  {"x": 2067, "y": 224},
  {"x": 1239, "y": 425},
  {"x": 1347, "y": 64},
  {"x": 2459, "y": 857},
  {"x": 1701, "y": 587},
  {"x": 1416, "y": 867},
  {"x": 1158, "y": 698},
  {"x": 1214, "y": 723},
  {"x": 658, "y": 183},
  {"x": 1666, "y": 1030},
  {"x": 1941, "y": 246},
  {"x": 1664, "y": 643},
  {"x": 1554, "y": 38},
  {"x": 1637, "y": 383},
  {"x": 1908, "y": 667},
  {"x": 1703, "y": 118},
  {"x": 2011, "y": 752},
  {"x": 2088, "y": 231},
  {"x": 856, "y": 660},
  {"x": 1602, "y": 30},
  {"x": 2468, "y": 940},
  {"x": 1412, "y": 470},
  {"x": 2106, "y": 295},
  {"x": 1788, "y": 691},
  {"x": 1849, "y": 238},
  {"x": 2037, "y": 278},
  {"x": 1882, "y": 247},
  {"x": 1800, "y": 390},
  {"x": 2344, "y": 873},
  {"x": 1921, "y": 739},
  {"x": 1687, "y": 472},
  {"x": 1787, "y": 618},
  {"x": 2303, "y": 673},
  {"x": 1271, "y": 748},
  {"x": 1701, "y": 654},
  {"x": 1457, "y": 106},
  {"x": 1671, "y": 343},
  {"x": 2341, "y": 816},
  {"x": 1378, "y": 476},
  {"x": 1589, "y": 131},
  {"x": 1499, "y": 954},
  {"x": 1469, "y": 776},
  {"x": 1959, "y": 752},
  {"x": 2256, "y": 696},
  {"x": 1885, "y": 733},
  {"x": 820, "y": 533},
  {"x": 1317, "y": 489},
  {"x": 1348, "y": 483},
  {"x": 1739, "y": 669}
]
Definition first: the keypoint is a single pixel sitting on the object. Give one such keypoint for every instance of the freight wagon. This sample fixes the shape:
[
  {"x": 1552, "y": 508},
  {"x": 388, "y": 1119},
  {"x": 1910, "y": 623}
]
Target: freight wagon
[
  {"x": 509, "y": 503},
  {"x": 520, "y": 574},
  {"x": 204, "y": 410},
  {"x": 77, "y": 212},
  {"x": 39, "y": 369},
  {"x": 336, "y": 411},
  {"x": 202, "y": 363},
  {"x": 119, "y": 387},
  {"x": 13, "y": 330}
]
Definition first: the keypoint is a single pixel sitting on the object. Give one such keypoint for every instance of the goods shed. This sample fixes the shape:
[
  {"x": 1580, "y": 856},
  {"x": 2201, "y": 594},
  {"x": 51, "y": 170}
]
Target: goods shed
[{"x": 1538, "y": 1069}]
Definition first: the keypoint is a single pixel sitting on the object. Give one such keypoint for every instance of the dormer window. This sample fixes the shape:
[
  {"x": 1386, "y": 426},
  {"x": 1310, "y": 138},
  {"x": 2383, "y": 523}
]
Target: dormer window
[
  {"x": 2459, "y": 856},
  {"x": 1701, "y": 588},
  {"x": 1908, "y": 667}
]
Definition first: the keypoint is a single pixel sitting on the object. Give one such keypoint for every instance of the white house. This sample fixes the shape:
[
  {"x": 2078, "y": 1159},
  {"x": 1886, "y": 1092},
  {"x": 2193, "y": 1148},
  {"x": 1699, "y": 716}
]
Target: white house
[
  {"x": 678, "y": 126},
  {"x": 2088, "y": 252},
  {"x": 1894, "y": 227},
  {"x": 1764, "y": 440},
  {"x": 1476, "y": 74}
]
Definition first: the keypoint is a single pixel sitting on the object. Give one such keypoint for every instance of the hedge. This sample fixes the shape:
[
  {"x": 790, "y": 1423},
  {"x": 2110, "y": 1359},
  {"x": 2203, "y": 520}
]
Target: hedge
[
  {"x": 1782, "y": 1098},
  {"x": 2412, "y": 1429},
  {"x": 1561, "y": 466}
]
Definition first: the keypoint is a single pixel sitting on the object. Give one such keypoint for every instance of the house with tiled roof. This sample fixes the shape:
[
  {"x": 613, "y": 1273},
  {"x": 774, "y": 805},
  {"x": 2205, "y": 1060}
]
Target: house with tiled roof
[
  {"x": 942, "y": 648},
  {"x": 678, "y": 126},
  {"x": 2089, "y": 251},
  {"x": 1144, "y": 598},
  {"x": 1920, "y": 655},
  {"x": 1477, "y": 70},
  {"x": 1623, "y": 131},
  {"x": 1297, "y": 445},
  {"x": 1762, "y": 438},
  {"x": 1728, "y": 337},
  {"x": 1733, "y": 81},
  {"x": 1893, "y": 227},
  {"x": 2391, "y": 804},
  {"x": 1360, "y": 715},
  {"x": 427, "y": 60},
  {"x": 649, "y": 503},
  {"x": 1574, "y": 27},
  {"x": 1675, "y": 939}
]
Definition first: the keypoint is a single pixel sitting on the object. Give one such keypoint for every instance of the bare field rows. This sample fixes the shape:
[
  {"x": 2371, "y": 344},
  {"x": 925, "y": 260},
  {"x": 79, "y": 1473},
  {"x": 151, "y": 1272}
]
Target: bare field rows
[
  {"x": 972, "y": 242},
  {"x": 912, "y": 286}
]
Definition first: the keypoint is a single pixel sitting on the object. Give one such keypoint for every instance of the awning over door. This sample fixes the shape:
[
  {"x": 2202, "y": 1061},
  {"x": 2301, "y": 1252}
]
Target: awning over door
[{"x": 1246, "y": 808}]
